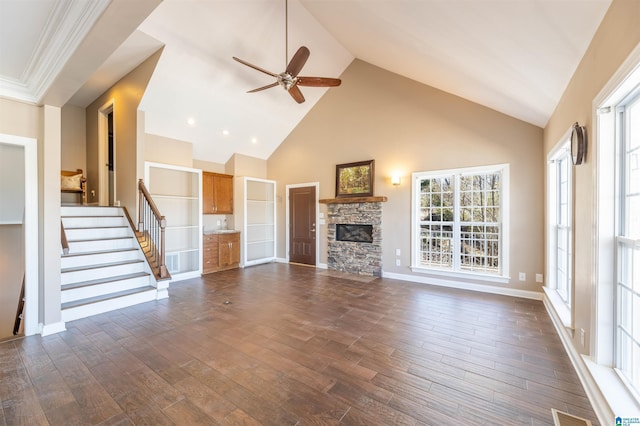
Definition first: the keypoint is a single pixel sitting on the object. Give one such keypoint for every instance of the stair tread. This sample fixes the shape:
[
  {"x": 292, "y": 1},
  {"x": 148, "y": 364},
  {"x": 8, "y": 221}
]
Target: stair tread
[
  {"x": 104, "y": 280},
  {"x": 89, "y": 253},
  {"x": 101, "y": 239},
  {"x": 101, "y": 265},
  {"x": 72, "y": 228},
  {"x": 109, "y": 296}
]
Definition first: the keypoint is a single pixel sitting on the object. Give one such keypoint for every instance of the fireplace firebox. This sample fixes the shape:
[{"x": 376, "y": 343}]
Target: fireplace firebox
[{"x": 354, "y": 232}]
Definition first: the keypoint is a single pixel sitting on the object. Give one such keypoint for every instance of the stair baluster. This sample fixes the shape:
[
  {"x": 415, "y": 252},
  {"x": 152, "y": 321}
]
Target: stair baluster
[{"x": 151, "y": 227}]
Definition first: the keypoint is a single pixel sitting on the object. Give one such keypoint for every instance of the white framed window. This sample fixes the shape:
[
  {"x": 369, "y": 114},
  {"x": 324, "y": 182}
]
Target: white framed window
[
  {"x": 459, "y": 221},
  {"x": 559, "y": 230},
  {"x": 627, "y": 325},
  {"x": 614, "y": 360}
]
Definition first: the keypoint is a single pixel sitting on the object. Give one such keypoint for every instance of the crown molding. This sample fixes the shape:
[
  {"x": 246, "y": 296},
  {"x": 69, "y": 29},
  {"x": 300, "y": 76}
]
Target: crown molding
[{"x": 69, "y": 23}]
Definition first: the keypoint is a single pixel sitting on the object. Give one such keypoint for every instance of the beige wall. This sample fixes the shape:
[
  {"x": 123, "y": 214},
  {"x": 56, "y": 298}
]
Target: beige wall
[
  {"x": 407, "y": 127},
  {"x": 243, "y": 165},
  {"x": 74, "y": 138},
  {"x": 618, "y": 35},
  {"x": 208, "y": 166},
  {"x": 159, "y": 149},
  {"x": 11, "y": 183},
  {"x": 125, "y": 95},
  {"x": 19, "y": 119}
]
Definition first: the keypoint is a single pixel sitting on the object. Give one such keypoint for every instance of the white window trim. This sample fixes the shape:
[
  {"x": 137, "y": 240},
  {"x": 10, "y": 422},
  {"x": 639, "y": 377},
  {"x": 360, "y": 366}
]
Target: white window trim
[
  {"x": 618, "y": 397},
  {"x": 565, "y": 313},
  {"x": 504, "y": 277}
]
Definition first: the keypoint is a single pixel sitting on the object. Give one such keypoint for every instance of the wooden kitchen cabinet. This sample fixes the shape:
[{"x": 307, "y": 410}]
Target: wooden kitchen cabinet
[
  {"x": 229, "y": 250},
  {"x": 220, "y": 252},
  {"x": 217, "y": 193}
]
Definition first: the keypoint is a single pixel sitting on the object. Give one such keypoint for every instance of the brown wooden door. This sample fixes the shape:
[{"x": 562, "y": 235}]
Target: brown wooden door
[{"x": 302, "y": 225}]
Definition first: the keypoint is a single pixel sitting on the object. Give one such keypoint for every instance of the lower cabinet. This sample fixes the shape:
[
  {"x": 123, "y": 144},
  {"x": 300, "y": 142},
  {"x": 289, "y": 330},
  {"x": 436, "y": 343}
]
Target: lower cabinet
[{"x": 220, "y": 252}]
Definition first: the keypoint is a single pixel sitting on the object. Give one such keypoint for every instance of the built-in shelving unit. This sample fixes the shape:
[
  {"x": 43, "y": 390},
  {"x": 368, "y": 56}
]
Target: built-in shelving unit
[
  {"x": 177, "y": 191},
  {"x": 257, "y": 219}
]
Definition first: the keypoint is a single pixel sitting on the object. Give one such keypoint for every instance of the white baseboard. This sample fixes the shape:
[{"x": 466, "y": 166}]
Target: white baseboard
[
  {"x": 184, "y": 276},
  {"x": 48, "y": 329},
  {"x": 465, "y": 286},
  {"x": 322, "y": 266},
  {"x": 281, "y": 260}
]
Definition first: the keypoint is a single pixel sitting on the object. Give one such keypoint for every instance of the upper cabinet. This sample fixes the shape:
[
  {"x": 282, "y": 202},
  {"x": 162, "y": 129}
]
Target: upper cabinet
[{"x": 217, "y": 193}]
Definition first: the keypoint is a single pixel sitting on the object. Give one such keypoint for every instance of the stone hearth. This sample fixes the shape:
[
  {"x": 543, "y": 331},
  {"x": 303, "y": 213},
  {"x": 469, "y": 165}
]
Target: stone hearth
[{"x": 363, "y": 258}]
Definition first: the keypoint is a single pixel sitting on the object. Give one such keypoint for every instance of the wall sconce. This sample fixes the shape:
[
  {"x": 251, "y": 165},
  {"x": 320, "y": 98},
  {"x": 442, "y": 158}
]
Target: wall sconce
[{"x": 395, "y": 180}]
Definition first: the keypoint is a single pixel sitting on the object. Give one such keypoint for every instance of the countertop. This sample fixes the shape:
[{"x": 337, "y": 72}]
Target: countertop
[{"x": 220, "y": 231}]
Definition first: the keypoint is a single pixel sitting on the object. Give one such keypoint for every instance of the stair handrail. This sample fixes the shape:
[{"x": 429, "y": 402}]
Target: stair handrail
[
  {"x": 151, "y": 226},
  {"x": 63, "y": 239},
  {"x": 19, "y": 311}
]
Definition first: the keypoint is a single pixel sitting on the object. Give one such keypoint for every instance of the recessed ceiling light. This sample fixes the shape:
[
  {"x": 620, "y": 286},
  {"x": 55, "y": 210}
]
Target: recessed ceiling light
[
  {"x": 254, "y": 140},
  {"x": 225, "y": 132},
  {"x": 191, "y": 121}
]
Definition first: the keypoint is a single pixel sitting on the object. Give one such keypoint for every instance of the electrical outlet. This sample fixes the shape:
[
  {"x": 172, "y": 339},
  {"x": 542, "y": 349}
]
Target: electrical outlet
[
  {"x": 522, "y": 276},
  {"x": 397, "y": 262},
  {"x": 539, "y": 278},
  {"x": 397, "y": 252}
]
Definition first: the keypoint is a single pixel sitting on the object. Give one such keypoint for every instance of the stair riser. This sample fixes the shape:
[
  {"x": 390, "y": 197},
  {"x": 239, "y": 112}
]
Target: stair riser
[
  {"x": 99, "y": 259},
  {"x": 84, "y": 311},
  {"x": 96, "y": 233},
  {"x": 84, "y": 246},
  {"x": 90, "y": 211},
  {"x": 79, "y": 293},
  {"x": 97, "y": 273},
  {"x": 90, "y": 222}
]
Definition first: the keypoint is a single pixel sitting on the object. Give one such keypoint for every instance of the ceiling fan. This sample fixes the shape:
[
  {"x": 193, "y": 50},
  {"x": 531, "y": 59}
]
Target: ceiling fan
[{"x": 289, "y": 79}]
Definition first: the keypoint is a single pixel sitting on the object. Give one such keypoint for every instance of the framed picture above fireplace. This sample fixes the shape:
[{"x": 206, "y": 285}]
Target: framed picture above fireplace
[{"x": 355, "y": 179}]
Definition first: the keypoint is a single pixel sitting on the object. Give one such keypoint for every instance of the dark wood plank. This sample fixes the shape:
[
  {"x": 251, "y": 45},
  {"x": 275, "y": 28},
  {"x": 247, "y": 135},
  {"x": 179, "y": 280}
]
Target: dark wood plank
[{"x": 297, "y": 346}]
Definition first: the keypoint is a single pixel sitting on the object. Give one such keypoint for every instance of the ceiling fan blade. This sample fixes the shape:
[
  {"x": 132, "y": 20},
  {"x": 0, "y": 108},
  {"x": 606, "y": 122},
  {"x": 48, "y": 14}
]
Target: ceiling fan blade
[
  {"x": 298, "y": 61},
  {"x": 268, "y": 86},
  {"x": 319, "y": 81},
  {"x": 296, "y": 94},
  {"x": 255, "y": 67}
]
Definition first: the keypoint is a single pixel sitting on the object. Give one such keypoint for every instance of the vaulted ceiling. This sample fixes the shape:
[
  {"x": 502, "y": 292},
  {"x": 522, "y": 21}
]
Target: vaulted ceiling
[{"x": 514, "y": 56}]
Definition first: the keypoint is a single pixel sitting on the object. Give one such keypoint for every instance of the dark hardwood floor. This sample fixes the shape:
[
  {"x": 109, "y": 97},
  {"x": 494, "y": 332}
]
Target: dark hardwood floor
[{"x": 297, "y": 346}]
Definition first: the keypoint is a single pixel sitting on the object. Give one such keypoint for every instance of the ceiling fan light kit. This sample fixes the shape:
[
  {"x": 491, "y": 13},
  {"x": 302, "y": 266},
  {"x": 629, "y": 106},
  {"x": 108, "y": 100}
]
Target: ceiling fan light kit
[{"x": 289, "y": 79}]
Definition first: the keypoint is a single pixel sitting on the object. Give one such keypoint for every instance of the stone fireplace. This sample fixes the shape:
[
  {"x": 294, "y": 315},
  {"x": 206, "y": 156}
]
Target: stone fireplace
[{"x": 354, "y": 233}]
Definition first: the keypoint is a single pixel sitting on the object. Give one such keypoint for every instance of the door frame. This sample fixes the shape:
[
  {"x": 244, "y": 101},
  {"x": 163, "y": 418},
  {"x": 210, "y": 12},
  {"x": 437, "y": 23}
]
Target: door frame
[
  {"x": 303, "y": 185},
  {"x": 103, "y": 153},
  {"x": 31, "y": 257}
]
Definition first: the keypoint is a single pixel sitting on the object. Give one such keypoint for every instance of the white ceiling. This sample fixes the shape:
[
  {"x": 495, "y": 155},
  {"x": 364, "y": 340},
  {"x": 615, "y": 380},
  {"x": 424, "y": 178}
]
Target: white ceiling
[{"x": 515, "y": 56}]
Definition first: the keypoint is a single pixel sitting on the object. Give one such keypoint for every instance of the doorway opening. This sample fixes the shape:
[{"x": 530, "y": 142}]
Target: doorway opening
[
  {"x": 106, "y": 155},
  {"x": 19, "y": 230}
]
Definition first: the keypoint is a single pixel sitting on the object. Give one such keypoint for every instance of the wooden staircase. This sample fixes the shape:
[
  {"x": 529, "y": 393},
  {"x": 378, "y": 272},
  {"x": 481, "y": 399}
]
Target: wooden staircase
[{"x": 105, "y": 268}]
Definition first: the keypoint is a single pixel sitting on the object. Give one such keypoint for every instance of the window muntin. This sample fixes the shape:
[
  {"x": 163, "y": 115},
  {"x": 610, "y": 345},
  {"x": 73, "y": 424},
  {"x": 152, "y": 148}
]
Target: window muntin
[
  {"x": 460, "y": 220},
  {"x": 627, "y": 333},
  {"x": 562, "y": 226}
]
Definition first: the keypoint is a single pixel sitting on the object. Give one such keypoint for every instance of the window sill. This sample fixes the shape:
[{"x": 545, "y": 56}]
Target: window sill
[
  {"x": 462, "y": 275},
  {"x": 561, "y": 308},
  {"x": 618, "y": 397}
]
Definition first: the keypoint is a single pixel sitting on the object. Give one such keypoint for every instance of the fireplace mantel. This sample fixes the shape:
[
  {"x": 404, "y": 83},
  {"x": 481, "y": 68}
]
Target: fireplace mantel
[{"x": 348, "y": 200}]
